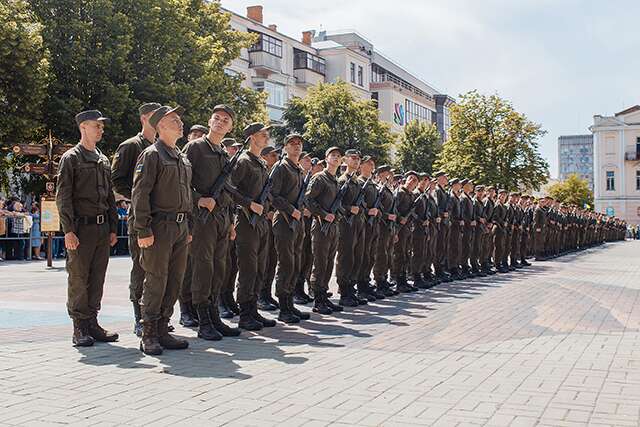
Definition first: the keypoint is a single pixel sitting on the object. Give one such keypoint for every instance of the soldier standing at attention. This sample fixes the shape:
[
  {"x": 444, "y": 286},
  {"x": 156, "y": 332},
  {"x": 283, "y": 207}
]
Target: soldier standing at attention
[
  {"x": 122, "y": 171},
  {"x": 540, "y": 228},
  {"x": 320, "y": 195},
  {"x": 488, "y": 245},
  {"x": 478, "y": 232},
  {"x": 469, "y": 227},
  {"x": 442, "y": 199},
  {"x": 89, "y": 221},
  {"x": 455, "y": 215},
  {"x": 386, "y": 221},
  {"x": 252, "y": 241},
  {"x": 211, "y": 224},
  {"x": 433, "y": 225},
  {"x": 499, "y": 219},
  {"x": 161, "y": 200},
  {"x": 420, "y": 232},
  {"x": 401, "y": 248},
  {"x": 527, "y": 219},
  {"x": 306, "y": 259}
]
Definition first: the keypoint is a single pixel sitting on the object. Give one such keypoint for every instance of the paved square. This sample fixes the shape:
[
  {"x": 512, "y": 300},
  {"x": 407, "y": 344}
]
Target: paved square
[{"x": 557, "y": 346}]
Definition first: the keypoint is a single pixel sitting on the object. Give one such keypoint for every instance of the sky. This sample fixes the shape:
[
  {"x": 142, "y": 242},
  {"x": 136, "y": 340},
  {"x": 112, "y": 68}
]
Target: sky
[{"x": 560, "y": 62}]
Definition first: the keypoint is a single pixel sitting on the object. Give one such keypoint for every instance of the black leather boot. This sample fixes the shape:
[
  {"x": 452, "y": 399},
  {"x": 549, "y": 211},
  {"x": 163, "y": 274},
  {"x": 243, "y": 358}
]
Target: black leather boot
[
  {"x": 206, "y": 331},
  {"x": 320, "y": 303},
  {"x": 364, "y": 292},
  {"x": 186, "y": 315},
  {"x": 219, "y": 325},
  {"x": 347, "y": 298},
  {"x": 137, "y": 314},
  {"x": 299, "y": 295},
  {"x": 286, "y": 315},
  {"x": 267, "y": 323},
  {"x": 264, "y": 300},
  {"x": 303, "y": 315},
  {"x": 247, "y": 321},
  {"x": 149, "y": 343},
  {"x": 168, "y": 341},
  {"x": 81, "y": 337},
  {"x": 225, "y": 312}
]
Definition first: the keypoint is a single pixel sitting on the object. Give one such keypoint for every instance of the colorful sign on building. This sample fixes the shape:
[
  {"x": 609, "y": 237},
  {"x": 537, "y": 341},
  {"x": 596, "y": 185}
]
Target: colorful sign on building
[{"x": 398, "y": 114}]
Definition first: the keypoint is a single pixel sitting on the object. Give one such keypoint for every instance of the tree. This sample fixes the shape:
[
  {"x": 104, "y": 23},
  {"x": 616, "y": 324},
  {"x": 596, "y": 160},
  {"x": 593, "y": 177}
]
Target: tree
[
  {"x": 573, "y": 191},
  {"x": 23, "y": 79},
  {"x": 492, "y": 143},
  {"x": 419, "y": 146},
  {"x": 331, "y": 115}
]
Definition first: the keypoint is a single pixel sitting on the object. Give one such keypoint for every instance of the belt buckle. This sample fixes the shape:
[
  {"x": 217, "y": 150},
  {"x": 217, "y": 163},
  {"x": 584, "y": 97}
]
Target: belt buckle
[
  {"x": 180, "y": 217},
  {"x": 100, "y": 219}
]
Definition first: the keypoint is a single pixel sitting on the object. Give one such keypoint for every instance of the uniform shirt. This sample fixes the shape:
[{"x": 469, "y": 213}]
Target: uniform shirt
[
  {"x": 466, "y": 209},
  {"x": 286, "y": 183},
  {"x": 207, "y": 161},
  {"x": 321, "y": 193},
  {"x": 161, "y": 184},
  {"x": 432, "y": 208},
  {"x": 386, "y": 202},
  {"x": 419, "y": 206},
  {"x": 478, "y": 213},
  {"x": 353, "y": 190},
  {"x": 442, "y": 199},
  {"x": 489, "y": 206},
  {"x": 85, "y": 189},
  {"x": 404, "y": 202},
  {"x": 453, "y": 207},
  {"x": 499, "y": 215},
  {"x": 124, "y": 163}
]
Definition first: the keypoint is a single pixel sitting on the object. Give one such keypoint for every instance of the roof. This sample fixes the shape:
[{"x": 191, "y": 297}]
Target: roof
[
  {"x": 326, "y": 44},
  {"x": 628, "y": 110}
]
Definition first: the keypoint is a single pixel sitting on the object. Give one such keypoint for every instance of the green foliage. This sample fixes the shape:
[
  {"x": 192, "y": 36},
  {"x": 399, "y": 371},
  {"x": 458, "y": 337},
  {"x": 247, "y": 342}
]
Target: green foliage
[
  {"x": 573, "y": 191},
  {"x": 492, "y": 143},
  {"x": 331, "y": 115},
  {"x": 419, "y": 146}
]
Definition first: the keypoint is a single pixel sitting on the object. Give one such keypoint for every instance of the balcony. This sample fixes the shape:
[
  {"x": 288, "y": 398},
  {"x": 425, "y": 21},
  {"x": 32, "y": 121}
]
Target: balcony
[
  {"x": 308, "y": 69},
  {"x": 307, "y": 78},
  {"x": 631, "y": 156},
  {"x": 265, "y": 62}
]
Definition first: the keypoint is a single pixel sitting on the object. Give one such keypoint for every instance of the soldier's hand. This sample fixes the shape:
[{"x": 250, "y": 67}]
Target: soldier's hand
[
  {"x": 392, "y": 217},
  {"x": 462, "y": 223},
  {"x": 296, "y": 214},
  {"x": 71, "y": 241},
  {"x": 145, "y": 242},
  {"x": 270, "y": 215},
  {"x": 256, "y": 208},
  {"x": 330, "y": 217},
  {"x": 354, "y": 210},
  {"x": 395, "y": 239},
  {"x": 403, "y": 221},
  {"x": 232, "y": 233},
  {"x": 113, "y": 239},
  {"x": 438, "y": 220},
  {"x": 189, "y": 238},
  {"x": 207, "y": 202},
  {"x": 473, "y": 223},
  {"x": 373, "y": 212},
  {"x": 307, "y": 212}
]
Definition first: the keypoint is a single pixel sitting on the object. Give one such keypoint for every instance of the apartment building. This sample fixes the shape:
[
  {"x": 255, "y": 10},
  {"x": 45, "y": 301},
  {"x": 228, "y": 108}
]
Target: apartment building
[{"x": 575, "y": 156}]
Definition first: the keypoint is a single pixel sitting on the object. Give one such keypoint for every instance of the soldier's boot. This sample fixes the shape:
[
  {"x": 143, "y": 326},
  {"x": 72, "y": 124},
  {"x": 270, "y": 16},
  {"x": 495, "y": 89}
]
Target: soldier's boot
[
  {"x": 219, "y": 325},
  {"x": 299, "y": 296},
  {"x": 524, "y": 262},
  {"x": 347, "y": 298},
  {"x": 364, "y": 292},
  {"x": 168, "y": 341},
  {"x": 81, "y": 337},
  {"x": 320, "y": 302},
  {"x": 206, "y": 331},
  {"x": 247, "y": 321},
  {"x": 419, "y": 282},
  {"x": 186, "y": 315},
  {"x": 303, "y": 315},
  {"x": 402, "y": 285},
  {"x": 264, "y": 300},
  {"x": 392, "y": 287},
  {"x": 98, "y": 333},
  {"x": 286, "y": 315},
  {"x": 333, "y": 306},
  {"x": 230, "y": 302},
  {"x": 149, "y": 343},
  {"x": 360, "y": 298},
  {"x": 378, "y": 291},
  {"x": 225, "y": 312},
  {"x": 267, "y": 323},
  {"x": 137, "y": 314}
]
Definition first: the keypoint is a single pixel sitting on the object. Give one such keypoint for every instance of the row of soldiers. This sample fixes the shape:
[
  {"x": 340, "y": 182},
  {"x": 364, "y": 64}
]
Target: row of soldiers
[{"x": 218, "y": 216}]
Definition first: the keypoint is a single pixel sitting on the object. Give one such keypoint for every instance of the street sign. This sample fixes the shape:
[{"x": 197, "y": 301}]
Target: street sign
[{"x": 31, "y": 150}]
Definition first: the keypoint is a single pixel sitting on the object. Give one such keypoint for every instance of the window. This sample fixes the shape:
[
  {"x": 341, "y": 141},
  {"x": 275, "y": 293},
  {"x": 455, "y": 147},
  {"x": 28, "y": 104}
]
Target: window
[
  {"x": 267, "y": 44},
  {"x": 416, "y": 112},
  {"x": 637, "y": 180},
  {"x": 353, "y": 72},
  {"x": 374, "y": 98},
  {"x": 276, "y": 93},
  {"x": 611, "y": 181},
  {"x": 637, "y": 147},
  {"x": 360, "y": 75},
  {"x": 306, "y": 60}
]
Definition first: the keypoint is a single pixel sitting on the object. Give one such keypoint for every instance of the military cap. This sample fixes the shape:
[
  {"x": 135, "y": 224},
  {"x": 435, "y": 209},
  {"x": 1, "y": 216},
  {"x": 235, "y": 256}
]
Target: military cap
[
  {"x": 291, "y": 136},
  {"x": 525, "y": 196},
  {"x": 254, "y": 128},
  {"x": 393, "y": 171},
  {"x": 228, "y": 142},
  {"x": 304, "y": 154},
  {"x": 503, "y": 191},
  {"x": 162, "y": 112},
  {"x": 268, "y": 150},
  {"x": 314, "y": 161},
  {"x": 464, "y": 181},
  {"x": 237, "y": 144},
  {"x": 491, "y": 187},
  {"x": 322, "y": 163},
  {"x": 514, "y": 193},
  {"x": 148, "y": 107},
  {"x": 91, "y": 115},
  {"x": 366, "y": 159},
  {"x": 454, "y": 181},
  {"x": 407, "y": 174},
  {"x": 479, "y": 187},
  {"x": 439, "y": 174},
  {"x": 397, "y": 176},
  {"x": 331, "y": 149},
  {"x": 226, "y": 109},
  {"x": 352, "y": 152},
  {"x": 199, "y": 128},
  {"x": 423, "y": 175},
  {"x": 383, "y": 168}
]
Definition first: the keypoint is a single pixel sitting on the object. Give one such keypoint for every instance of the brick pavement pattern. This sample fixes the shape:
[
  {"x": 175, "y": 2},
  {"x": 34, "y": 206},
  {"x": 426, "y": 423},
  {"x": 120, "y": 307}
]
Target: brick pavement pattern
[{"x": 556, "y": 347}]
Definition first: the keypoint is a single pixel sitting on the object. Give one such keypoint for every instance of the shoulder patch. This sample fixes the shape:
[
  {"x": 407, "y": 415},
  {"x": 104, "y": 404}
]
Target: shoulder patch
[{"x": 139, "y": 167}]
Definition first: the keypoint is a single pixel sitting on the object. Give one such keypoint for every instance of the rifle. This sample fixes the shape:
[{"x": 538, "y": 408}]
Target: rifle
[
  {"x": 300, "y": 199},
  {"x": 376, "y": 204},
  {"x": 219, "y": 184},
  {"x": 337, "y": 203},
  {"x": 394, "y": 210},
  {"x": 264, "y": 193},
  {"x": 359, "y": 200}
]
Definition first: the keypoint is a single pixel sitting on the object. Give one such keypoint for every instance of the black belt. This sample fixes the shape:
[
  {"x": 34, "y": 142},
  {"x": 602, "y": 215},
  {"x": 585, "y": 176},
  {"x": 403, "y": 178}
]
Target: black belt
[
  {"x": 178, "y": 217},
  {"x": 92, "y": 220}
]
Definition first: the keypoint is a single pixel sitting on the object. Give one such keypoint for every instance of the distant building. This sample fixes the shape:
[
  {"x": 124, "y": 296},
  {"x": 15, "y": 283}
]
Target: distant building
[{"x": 575, "y": 156}]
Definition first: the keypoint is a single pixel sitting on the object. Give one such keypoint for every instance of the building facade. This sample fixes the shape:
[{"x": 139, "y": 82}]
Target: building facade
[
  {"x": 575, "y": 156},
  {"x": 285, "y": 67},
  {"x": 616, "y": 167}
]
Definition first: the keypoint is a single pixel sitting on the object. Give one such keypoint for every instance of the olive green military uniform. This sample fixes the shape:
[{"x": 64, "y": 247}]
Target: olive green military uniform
[
  {"x": 419, "y": 238},
  {"x": 87, "y": 208},
  {"x": 401, "y": 248},
  {"x": 371, "y": 232},
  {"x": 384, "y": 249},
  {"x": 453, "y": 248},
  {"x": 488, "y": 236},
  {"x": 440, "y": 256},
  {"x": 478, "y": 234},
  {"x": 467, "y": 231},
  {"x": 433, "y": 225},
  {"x": 500, "y": 223},
  {"x": 350, "y": 232}
]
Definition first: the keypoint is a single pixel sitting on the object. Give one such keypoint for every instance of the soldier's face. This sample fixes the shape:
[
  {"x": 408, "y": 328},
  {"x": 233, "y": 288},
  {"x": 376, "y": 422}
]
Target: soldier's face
[
  {"x": 271, "y": 158},
  {"x": 352, "y": 162},
  {"x": 411, "y": 182},
  {"x": 502, "y": 197},
  {"x": 423, "y": 184},
  {"x": 479, "y": 194},
  {"x": 194, "y": 134},
  {"x": 442, "y": 180},
  {"x": 144, "y": 119},
  {"x": 333, "y": 159},
  {"x": 220, "y": 123},
  {"x": 92, "y": 130},
  {"x": 260, "y": 139},
  {"x": 305, "y": 163},
  {"x": 171, "y": 126},
  {"x": 293, "y": 148},
  {"x": 367, "y": 167}
]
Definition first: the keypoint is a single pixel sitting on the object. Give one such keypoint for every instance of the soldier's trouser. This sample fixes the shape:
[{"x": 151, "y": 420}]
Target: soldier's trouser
[
  {"x": 506, "y": 247},
  {"x": 442, "y": 246},
  {"x": 360, "y": 248},
  {"x": 164, "y": 264},
  {"x": 306, "y": 257},
  {"x": 209, "y": 250},
  {"x": 524, "y": 245},
  {"x": 185, "y": 289},
  {"x": 538, "y": 243},
  {"x": 419, "y": 253},
  {"x": 383, "y": 250},
  {"x": 498, "y": 244},
  {"x": 453, "y": 255},
  {"x": 348, "y": 236},
  {"x": 369, "y": 250},
  {"x": 400, "y": 263},
  {"x": 288, "y": 244},
  {"x": 432, "y": 240},
  {"x": 324, "y": 247},
  {"x": 489, "y": 245},
  {"x": 87, "y": 267},
  {"x": 137, "y": 273},
  {"x": 515, "y": 246},
  {"x": 252, "y": 246},
  {"x": 476, "y": 247},
  {"x": 466, "y": 244},
  {"x": 272, "y": 262},
  {"x": 229, "y": 282}
]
